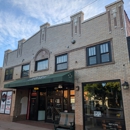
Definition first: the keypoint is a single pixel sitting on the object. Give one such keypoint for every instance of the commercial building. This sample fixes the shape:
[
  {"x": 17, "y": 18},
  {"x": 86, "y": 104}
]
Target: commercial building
[{"x": 81, "y": 66}]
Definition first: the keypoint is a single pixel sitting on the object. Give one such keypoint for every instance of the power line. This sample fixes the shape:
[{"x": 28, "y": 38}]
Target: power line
[
  {"x": 64, "y": 17},
  {"x": 76, "y": 11}
]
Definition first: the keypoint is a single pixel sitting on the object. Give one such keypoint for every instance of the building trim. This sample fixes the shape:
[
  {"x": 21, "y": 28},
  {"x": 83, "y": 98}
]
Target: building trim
[
  {"x": 118, "y": 1},
  {"x": 59, "y": 24}
]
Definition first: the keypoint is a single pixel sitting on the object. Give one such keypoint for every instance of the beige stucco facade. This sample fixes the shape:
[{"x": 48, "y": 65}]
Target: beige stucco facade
[{"x": 58, "y": 40}]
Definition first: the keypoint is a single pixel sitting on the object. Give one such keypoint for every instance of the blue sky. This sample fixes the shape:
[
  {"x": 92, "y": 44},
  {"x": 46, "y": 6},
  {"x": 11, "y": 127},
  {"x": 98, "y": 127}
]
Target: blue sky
[{"x": 22, "y": 18}]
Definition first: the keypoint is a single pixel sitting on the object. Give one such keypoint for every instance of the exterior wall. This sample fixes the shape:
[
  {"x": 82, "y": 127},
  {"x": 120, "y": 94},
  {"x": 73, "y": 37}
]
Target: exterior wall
[
  {"x": 19, "y": 114},
  {"x": 58, "y": 41}
]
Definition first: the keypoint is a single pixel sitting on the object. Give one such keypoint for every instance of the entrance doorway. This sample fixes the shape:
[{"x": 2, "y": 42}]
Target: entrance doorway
[
  {"x": 47, "y": 103},
  {"x": 37, "y": 104},
  {"x": 54, "y": 107}
]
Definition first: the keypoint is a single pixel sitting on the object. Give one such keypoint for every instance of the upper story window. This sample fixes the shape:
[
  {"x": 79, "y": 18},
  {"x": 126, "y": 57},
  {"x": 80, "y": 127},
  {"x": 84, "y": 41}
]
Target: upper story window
[
  {"x": 99, "y": 54},
  {"x": 25, "y": 70},
  {"x": 61, "y": 62},
  {"x": 128, "y": 43},
  {"x": 9, "y": 74},
  {"x": 41, "y": 65}
]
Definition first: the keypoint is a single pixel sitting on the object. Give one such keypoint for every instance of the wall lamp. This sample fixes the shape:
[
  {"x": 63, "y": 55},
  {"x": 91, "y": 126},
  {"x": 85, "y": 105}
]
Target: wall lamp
[
  {"x": 125, "y": 85},
  {"x": 77, "y": 88}
]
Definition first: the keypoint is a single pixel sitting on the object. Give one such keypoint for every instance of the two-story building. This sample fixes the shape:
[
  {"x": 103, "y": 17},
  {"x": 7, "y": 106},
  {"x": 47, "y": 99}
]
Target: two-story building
[{"x": 81, "y": 66}]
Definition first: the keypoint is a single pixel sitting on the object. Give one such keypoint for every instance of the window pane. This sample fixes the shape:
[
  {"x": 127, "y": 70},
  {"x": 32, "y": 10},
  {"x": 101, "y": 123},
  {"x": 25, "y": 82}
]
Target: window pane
[
  {"x": 105, "y": 57},
  {"x": 61, "y": 59},
  {"x": 41, "y": 65},
  {"x": 106, "y": 99},
  {"x": 92, "y": 51},
  {"x": 92, "y": 60},
  {"x": 72, "y": 103},
  {"x": 61, "y": 62},
  {"x": 103, "y": 107},
  {"x": 72, "y": 92},
  {"x": 57, "y": 59},
  {"x": 65, "y": 58},
  {"x": 9, "y": 74},
  {"x": 104, "y": 48},
  {"x": 62, "y": 66},
  {"x": 25, "y": 71},
  {"x": 25, "y": 67}
]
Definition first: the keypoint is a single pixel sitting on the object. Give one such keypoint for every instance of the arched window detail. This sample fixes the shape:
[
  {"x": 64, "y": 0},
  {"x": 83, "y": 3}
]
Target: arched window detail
[{"x": 41, "y": 60}]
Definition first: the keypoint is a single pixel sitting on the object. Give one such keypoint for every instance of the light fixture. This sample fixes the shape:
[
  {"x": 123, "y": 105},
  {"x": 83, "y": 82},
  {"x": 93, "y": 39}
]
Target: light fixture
[
  {"x": 77, "y": 88},
  {"x": 60, "y": 86},
  {"x": 73, "y": 41},
  {"x": 36, "y": 88},
  {"x": 125, "y": 85}
]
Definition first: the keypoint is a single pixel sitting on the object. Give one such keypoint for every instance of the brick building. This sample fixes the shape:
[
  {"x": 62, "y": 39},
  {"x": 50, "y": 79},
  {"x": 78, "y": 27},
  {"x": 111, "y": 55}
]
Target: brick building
[{"x": 81, "y": 66}]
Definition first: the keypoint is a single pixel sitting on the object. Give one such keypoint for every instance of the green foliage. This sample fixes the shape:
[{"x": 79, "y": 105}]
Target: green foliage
[{"x": 99, "y": 92}]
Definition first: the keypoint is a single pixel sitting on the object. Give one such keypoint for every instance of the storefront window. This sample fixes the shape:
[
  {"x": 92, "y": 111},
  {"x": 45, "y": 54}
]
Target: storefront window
[
  {"x": 72, "y": 100},
  {"x": 103, "y": 106},
  {"x": 65, "y": 100}
]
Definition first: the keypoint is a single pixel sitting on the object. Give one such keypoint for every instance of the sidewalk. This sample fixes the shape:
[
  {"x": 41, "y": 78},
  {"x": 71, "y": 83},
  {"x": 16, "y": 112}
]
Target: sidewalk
[{"x": 18, "y": 126}]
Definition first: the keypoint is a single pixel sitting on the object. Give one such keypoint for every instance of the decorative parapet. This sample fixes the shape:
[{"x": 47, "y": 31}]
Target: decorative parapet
[
  {"x": 20, "y": 46},
  {"x": 43, "y": 32}
]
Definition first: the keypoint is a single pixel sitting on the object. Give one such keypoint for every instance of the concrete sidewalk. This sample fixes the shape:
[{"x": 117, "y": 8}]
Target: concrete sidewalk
[{"x": 18, "y": 126}]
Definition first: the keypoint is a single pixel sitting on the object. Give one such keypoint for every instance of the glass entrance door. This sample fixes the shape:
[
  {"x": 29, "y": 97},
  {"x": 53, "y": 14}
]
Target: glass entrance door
[{"x": 54, "y": 107}]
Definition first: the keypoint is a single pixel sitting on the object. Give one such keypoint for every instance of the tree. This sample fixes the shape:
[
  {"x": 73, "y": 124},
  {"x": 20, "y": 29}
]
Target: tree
[{"x": 111, "y": 91}]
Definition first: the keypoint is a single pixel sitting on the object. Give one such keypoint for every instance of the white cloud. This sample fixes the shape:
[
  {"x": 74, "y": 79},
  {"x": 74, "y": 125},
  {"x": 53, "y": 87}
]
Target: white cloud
[
  {"x": 51, "y": 10},
  {"x": 12, "y": 28}
]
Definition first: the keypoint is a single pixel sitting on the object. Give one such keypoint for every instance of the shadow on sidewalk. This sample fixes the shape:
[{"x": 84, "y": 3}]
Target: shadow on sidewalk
[{"x": 37, "y": 123}]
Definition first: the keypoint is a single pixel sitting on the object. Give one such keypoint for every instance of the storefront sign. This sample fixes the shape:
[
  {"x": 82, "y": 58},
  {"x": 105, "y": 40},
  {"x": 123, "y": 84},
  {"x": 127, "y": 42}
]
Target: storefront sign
[
  {"x": 97, "y": 113},
  {"x": 37, "y": 78}
]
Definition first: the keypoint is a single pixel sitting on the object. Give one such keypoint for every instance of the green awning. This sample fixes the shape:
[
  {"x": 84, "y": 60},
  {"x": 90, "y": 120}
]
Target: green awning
[{"x": 67, "y": 77}]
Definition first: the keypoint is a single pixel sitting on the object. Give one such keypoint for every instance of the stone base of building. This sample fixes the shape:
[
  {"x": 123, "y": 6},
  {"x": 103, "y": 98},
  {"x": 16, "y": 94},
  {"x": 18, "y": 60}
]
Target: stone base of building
[
  {"x": 4, "y": 117},
  {"x": 19, "y": 118},
  {"x": 78, "y": 127}
]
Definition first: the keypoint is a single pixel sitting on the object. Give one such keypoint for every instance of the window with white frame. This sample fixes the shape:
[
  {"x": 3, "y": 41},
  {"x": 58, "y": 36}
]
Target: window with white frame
[{"x": 61, "y": 62}]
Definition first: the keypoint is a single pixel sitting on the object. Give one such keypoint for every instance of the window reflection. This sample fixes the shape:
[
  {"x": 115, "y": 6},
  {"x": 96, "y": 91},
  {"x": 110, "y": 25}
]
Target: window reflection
[
  {"x": 72, "y": 100},
  {"x": 102, "y": 100}
]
